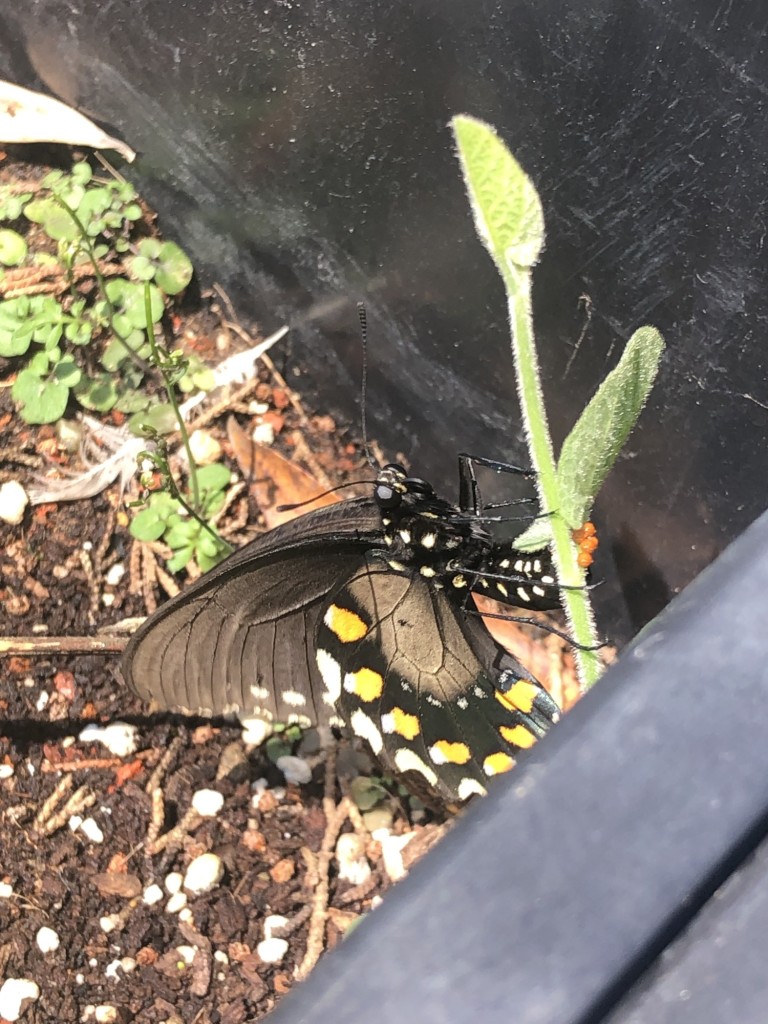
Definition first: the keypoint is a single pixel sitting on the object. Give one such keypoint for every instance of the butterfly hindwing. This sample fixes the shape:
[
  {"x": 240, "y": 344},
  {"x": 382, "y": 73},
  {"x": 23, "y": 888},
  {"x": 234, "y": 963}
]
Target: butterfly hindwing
[{"x": 419, "y": 678}]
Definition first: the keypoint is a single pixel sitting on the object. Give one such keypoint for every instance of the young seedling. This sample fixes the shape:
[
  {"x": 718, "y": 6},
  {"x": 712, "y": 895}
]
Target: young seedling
[{"x": 510, "y": 223}]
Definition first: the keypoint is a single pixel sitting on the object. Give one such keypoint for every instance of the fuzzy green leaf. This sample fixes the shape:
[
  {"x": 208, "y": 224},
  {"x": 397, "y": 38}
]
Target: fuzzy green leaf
[
  {"x": 593, "y": 445},
  {"x": 505, "y": 204}
]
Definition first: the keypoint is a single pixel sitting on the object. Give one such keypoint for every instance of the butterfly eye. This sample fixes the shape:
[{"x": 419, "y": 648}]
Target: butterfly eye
[{"x": 386, "y": 497}]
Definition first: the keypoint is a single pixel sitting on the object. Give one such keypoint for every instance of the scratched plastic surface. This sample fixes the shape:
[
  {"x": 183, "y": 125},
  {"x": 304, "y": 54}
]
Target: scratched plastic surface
[{"x": 301, "y": 153}]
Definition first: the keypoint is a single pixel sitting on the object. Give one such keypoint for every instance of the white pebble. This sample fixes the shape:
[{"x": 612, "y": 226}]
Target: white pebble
[
  {"x": 204, "y": 873},
  {"x": 128, "y": 964},
  {"x": 114, "y": 574},
  {"x": 109, "y": 922},
  {"x": 91, "y": 829},
  {"x": 79, "y": 979},
  {"x": 173, "y": 882},
  {"x": 350, "y": 855},
  {"x": 207, "y": 802},
  {"x": 176, "y": 903},
  {"x": 6, "y": 891},
  {"x": 186, "y": 953},
  {"x": 13, "y": 502},
  {"x": 42, "y": 700},
  {"x": 16, "y": 995},
  {"x": 295, "y": 769},
  {"x": 273, "y": 923},
  {"x": 272, "y": 951},
  {"x": 118, "y": 737},
  {"x": 47, "y": 940},
  {"x": 105, "y": 1014},
  {"x": 110, "y": 971},
  {"x": 107, "y": 600},
  {"x": 185, "y": 915},
  {"x": 221, "y": 956},
  {"x": 152, "y": 894},
  {"x": 6, "y": 771},
  {"x": 392, "y": 852},
  {"x": 205, "y": 448},
  {"x": 75, "y": 822},
  {"x": 255, "y": 731},
  {"x": 264, "y": 433}
]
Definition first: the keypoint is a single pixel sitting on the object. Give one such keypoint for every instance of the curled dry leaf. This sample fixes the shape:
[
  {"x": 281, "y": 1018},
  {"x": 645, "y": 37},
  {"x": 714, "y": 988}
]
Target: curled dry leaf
[
  {"x": 273, "y": 480},
  {"x": 27, "y": 116}
]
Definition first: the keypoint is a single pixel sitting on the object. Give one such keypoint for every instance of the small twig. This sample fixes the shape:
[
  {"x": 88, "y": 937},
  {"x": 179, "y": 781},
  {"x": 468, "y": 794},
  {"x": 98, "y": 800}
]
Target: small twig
[
  {"x": 79, "y": 801},
  {"x": 37, "y": 645},
  {"x": 156, "y": 820},
  {"x": 174, "y": 836},
  {"x": 319, "y": 900},
  {"x": 55, "y": 798}
]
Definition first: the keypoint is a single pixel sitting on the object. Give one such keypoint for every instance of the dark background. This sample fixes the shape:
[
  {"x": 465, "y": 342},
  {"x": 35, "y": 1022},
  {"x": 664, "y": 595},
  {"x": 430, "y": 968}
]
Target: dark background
[{"x": 300, "y": 152}]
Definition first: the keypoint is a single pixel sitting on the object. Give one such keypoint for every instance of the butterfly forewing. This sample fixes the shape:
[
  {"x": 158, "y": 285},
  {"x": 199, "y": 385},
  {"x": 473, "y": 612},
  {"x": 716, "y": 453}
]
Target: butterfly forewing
[
  {"x": 417, "y": 678},
  {"x": 241, "y": 637}
]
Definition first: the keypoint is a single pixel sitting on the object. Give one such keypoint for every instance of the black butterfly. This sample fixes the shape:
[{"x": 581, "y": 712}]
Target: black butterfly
[{"x": 357, "y": 614}]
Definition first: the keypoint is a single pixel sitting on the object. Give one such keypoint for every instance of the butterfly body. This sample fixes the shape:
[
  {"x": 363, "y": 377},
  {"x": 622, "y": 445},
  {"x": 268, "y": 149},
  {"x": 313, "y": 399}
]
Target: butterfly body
[{"x": 359, "y": 614}]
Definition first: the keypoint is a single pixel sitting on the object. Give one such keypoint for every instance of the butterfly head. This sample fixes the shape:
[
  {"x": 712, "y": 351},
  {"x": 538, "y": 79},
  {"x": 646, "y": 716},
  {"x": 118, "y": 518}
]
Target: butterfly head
[{"x": 393, "y": 484}]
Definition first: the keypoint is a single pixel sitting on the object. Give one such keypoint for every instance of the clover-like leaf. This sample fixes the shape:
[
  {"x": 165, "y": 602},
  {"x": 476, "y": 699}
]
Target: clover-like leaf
[
  {"x": 160, "y": 418},
  {"x": 13, "y": 248},
  {"x": 98, "y": 393},
  {"x": 40, "y": 400},
  {"x": 164, "y": 262}
]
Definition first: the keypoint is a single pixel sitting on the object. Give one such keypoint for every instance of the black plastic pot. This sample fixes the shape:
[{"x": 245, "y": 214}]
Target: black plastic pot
[{"x": 301, "y": 154}]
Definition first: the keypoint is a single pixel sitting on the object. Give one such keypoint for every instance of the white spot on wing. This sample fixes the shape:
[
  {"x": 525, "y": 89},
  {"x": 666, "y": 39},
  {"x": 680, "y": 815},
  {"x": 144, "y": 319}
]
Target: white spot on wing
[
  {"x": 294, "y": 698},
  {"x": 331, "y": 676},
  {"x": 427, "y": 570},
  {"x": 523, "y": 594},
  {"x": 406, "y": 761},
  {"x": 364, "y": 727},
  {"x": 428, "y": 540},
  {"x": 260, "y": 693},
  {"x": 405, "y": 536},
  {"x": 470, "y": 787}
]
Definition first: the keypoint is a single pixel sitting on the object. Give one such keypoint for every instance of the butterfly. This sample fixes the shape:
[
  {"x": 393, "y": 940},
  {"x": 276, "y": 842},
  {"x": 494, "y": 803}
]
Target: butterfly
[{"x": 359, "y": 614}]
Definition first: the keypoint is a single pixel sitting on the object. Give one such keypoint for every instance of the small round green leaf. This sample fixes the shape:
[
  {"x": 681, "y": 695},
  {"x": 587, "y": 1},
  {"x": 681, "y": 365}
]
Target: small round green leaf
[
  {"x": 13, "y": 248},
  {"x": 41, "y": 401}
]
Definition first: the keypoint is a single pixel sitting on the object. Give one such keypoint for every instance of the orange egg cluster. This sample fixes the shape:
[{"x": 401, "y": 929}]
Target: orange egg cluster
[{"x": 586, "y": 538}]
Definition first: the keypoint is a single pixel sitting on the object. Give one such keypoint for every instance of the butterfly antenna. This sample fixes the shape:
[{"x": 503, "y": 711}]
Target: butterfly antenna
[{"x": 362, "y": 317}]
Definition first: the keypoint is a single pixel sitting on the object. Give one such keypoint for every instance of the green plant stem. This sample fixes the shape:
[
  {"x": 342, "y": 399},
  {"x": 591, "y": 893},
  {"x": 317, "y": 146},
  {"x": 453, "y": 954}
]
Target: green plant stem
[
  {"x": 171, "y": 391},
  {"x": 85, "y": 242},
  {"x": 578, "y": 610}
]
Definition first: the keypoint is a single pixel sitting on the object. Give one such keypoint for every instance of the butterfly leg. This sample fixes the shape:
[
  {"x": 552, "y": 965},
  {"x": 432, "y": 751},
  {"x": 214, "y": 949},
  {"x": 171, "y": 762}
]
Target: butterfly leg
[{"x": 470, "y": 498}]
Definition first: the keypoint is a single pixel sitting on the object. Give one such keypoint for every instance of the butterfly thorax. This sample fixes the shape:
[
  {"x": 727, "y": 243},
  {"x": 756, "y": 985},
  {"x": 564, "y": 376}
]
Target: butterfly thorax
[{"x": 423, "y": 533}]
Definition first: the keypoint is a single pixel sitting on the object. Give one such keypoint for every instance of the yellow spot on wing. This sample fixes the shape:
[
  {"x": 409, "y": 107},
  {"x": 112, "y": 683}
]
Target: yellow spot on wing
[
  {"x": 445, "y": 752},
  {"x": 518, "y": 736},
  {"x": 366, "y": 683},
  {"x": 402, "y": 723},
  {"x": 497, "y": 763},
  {"x": 521, "y": 695},
  {"x": 345, "y": 624}
]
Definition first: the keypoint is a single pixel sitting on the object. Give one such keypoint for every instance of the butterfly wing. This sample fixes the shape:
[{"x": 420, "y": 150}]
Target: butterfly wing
[
  {"x": 422, "y": 682},
  {"x": 241, "y": 638}
]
